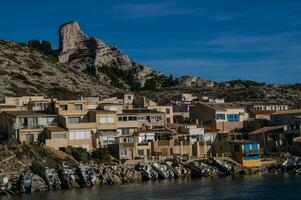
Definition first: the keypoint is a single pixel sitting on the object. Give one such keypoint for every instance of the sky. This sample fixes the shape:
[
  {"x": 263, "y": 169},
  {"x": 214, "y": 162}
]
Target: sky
[{"x": 214, "y": 39}]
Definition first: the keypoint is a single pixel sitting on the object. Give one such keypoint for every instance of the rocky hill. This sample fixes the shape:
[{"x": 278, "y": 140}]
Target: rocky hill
[
  {"x": 27, "y": 71},
  {"x": 86, "y": 65}
]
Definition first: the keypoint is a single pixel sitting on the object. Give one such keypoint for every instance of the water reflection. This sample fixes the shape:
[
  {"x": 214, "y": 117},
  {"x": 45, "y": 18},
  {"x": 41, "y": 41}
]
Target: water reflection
[{"x": 241, "y": 187}]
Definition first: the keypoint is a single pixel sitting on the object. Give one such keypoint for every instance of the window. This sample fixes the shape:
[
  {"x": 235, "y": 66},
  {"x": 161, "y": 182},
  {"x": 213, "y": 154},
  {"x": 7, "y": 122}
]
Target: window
[
  {"x": 168, "y": 120},
  {"x": 233, "y": 118},
  {"x": 106, "y": 120},
  {"x": 80, "y": 135},
  {"x": 28, "y": 122},
  {"x": 58, "y": 135},
  {"x": 128, "y": 140},
  {"x": 48, "y": 120},
  {"x": 140, "y": 152},
  {"x": 64, "y": 107},
  {"x": 74, "y": 120},
  {"x": 220, "y": 116},
  {"x": 78, "y": 107},
  {"x": 129, "y": 97},
  {"x": 132, "y": 118},
  {"x": 236, "y": 148},
  {"x": 167, "y": 110},
  {"x": 123, "y": 152}
]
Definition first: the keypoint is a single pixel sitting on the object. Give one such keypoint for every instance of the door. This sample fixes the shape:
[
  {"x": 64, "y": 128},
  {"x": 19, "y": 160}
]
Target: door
[
  {"x": 29, "y": 138},
  {"x": 164, "y": 151}
]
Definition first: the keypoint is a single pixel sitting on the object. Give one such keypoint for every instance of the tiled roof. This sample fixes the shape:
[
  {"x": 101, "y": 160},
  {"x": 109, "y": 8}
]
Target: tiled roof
[
  {"x": 285, "y": 112},
  {"x": 263, "y": 112},
  {"x": 266, "y": 129}
]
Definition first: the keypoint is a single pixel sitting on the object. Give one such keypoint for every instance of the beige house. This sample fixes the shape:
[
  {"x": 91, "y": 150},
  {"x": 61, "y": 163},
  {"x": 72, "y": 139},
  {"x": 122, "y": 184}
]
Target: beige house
[
  {"x": 74, "y": 117},
  {"x": 128, "y": 148},
  {"x": 26, "y": 126},
  {"x": 23, "y": 100},
  {"x": 131, "y": 120},
  {"x": 224, "y": 117},
  {"x": 106, "y": 126}
]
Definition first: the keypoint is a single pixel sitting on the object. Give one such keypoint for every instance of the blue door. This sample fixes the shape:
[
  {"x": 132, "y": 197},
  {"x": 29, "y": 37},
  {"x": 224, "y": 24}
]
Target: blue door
[
  {"x": 255, "y": 151},
  {"x": 247, "y": 151}
]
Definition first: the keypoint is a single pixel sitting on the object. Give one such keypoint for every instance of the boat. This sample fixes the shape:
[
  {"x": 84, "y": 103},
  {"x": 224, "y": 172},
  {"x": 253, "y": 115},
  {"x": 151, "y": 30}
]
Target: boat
[
  {"x": 147, "y": 171},
  {"x": 5, "y": 184},
  {"x": 223, "y": 166},
  {"x": 86, "y": 175},
  {"x": 67, "y": 177},
  {"x": 26, "y": 182},
  {"x": 162, "y": 170},
  {"x": 52, "y": 179},
  {"x": 175, "y": 168}
]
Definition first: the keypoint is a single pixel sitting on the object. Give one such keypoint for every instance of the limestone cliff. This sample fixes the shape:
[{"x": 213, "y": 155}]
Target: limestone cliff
[{"x": 91, "y": 54}]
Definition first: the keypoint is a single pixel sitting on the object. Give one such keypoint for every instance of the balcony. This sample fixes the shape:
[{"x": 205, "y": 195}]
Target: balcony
[{"x": 87, "y": 125}]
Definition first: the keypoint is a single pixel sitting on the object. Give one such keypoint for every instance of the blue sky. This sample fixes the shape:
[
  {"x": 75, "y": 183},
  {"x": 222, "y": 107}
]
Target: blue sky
[{"x": 214, "y": 39}]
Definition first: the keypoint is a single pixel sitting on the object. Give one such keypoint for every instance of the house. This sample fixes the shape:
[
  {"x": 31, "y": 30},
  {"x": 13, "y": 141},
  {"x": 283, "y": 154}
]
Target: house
[
  {"x": 185, "y": 98},
  {"x": 221, "y": 146},
  {"x": 165, "y": 109},
  {"x": 290, "y": 117},
  {"x": 111, "y": 107},
  {"x": 106, "y": 126},
  {"x": 263, "y": 106},
  {"x": 180, "y": 109},
  {"x": 272, "y": 138},
  {"x": 74, "y": 117},
  {"x": 39, "y": 105},
  {"x": 131, "y": 120},
  {"x": 246, "y": 153},
  {"x": 261, "y": 114},
  {"x": 57, "y": 137},
  {"x": 123, "y": 98},
  {"x": 225, "y": 116},
  {"x": 143, "y": 102},
  {"x": 296, "y": 145},
  {"x": 129, "y": 148},
  {"x": 26, "y": 126}
]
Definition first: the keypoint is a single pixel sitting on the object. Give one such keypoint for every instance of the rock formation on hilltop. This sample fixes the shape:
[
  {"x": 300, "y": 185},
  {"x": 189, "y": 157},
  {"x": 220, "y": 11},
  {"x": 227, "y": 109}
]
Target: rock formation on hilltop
[
  {"x": 91, "y": 55},
  {"x": 193, "y": 81}
]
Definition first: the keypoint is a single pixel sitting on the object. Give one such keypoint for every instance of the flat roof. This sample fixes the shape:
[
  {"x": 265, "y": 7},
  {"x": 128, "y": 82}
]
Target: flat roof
[
  {"x": 29, "y": 113},
  {"x": 221, "y": 106},
  {"x": 140, "y": 111},
  {"x": 104, "y": 111},
  {"x": 7, "y": 106},
  {"x": 55, "y": 129},
  {"x": 286, "y": 112}
]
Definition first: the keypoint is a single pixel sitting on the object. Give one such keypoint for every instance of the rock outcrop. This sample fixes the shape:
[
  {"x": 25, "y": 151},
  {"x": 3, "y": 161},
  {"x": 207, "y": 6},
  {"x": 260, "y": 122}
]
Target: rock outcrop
[
  {"x": 90, "y": 54},
  {"x": 42, "y": 45},
  {"x": 193, "y": 81},
  {"x": 27, "y": 71}
]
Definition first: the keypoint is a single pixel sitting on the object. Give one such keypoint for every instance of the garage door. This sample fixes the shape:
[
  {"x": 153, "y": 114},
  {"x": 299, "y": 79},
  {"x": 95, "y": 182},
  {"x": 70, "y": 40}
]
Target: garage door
[{"x": 79, "y": 134}]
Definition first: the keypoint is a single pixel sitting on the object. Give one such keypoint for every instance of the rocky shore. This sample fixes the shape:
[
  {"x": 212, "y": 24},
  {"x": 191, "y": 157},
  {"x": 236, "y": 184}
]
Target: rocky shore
[{"x": 25, "y": 168}]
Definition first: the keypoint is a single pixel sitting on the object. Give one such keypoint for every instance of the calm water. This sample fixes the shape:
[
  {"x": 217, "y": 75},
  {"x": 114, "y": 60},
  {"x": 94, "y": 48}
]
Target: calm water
[{"x": 248, "y": 187}]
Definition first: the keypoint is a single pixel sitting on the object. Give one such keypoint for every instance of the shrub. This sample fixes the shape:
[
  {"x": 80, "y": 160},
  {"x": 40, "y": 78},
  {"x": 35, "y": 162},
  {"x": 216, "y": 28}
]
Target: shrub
[
  {"x": 101, "y": 155},
  {"x": 37, "y": 168},
  {"x": 80, "y": 154}
]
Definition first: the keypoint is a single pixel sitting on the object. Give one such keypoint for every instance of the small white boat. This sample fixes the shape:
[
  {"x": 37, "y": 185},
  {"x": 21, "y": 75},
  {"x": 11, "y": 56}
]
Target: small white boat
[{"x": 162, "y": 170}]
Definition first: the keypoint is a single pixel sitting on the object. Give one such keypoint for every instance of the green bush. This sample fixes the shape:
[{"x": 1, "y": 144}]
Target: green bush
[
  {"x": 37, "y": 168},
  {"x": 101, "y": 155},
  {"x": 80, "y": 154}
]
